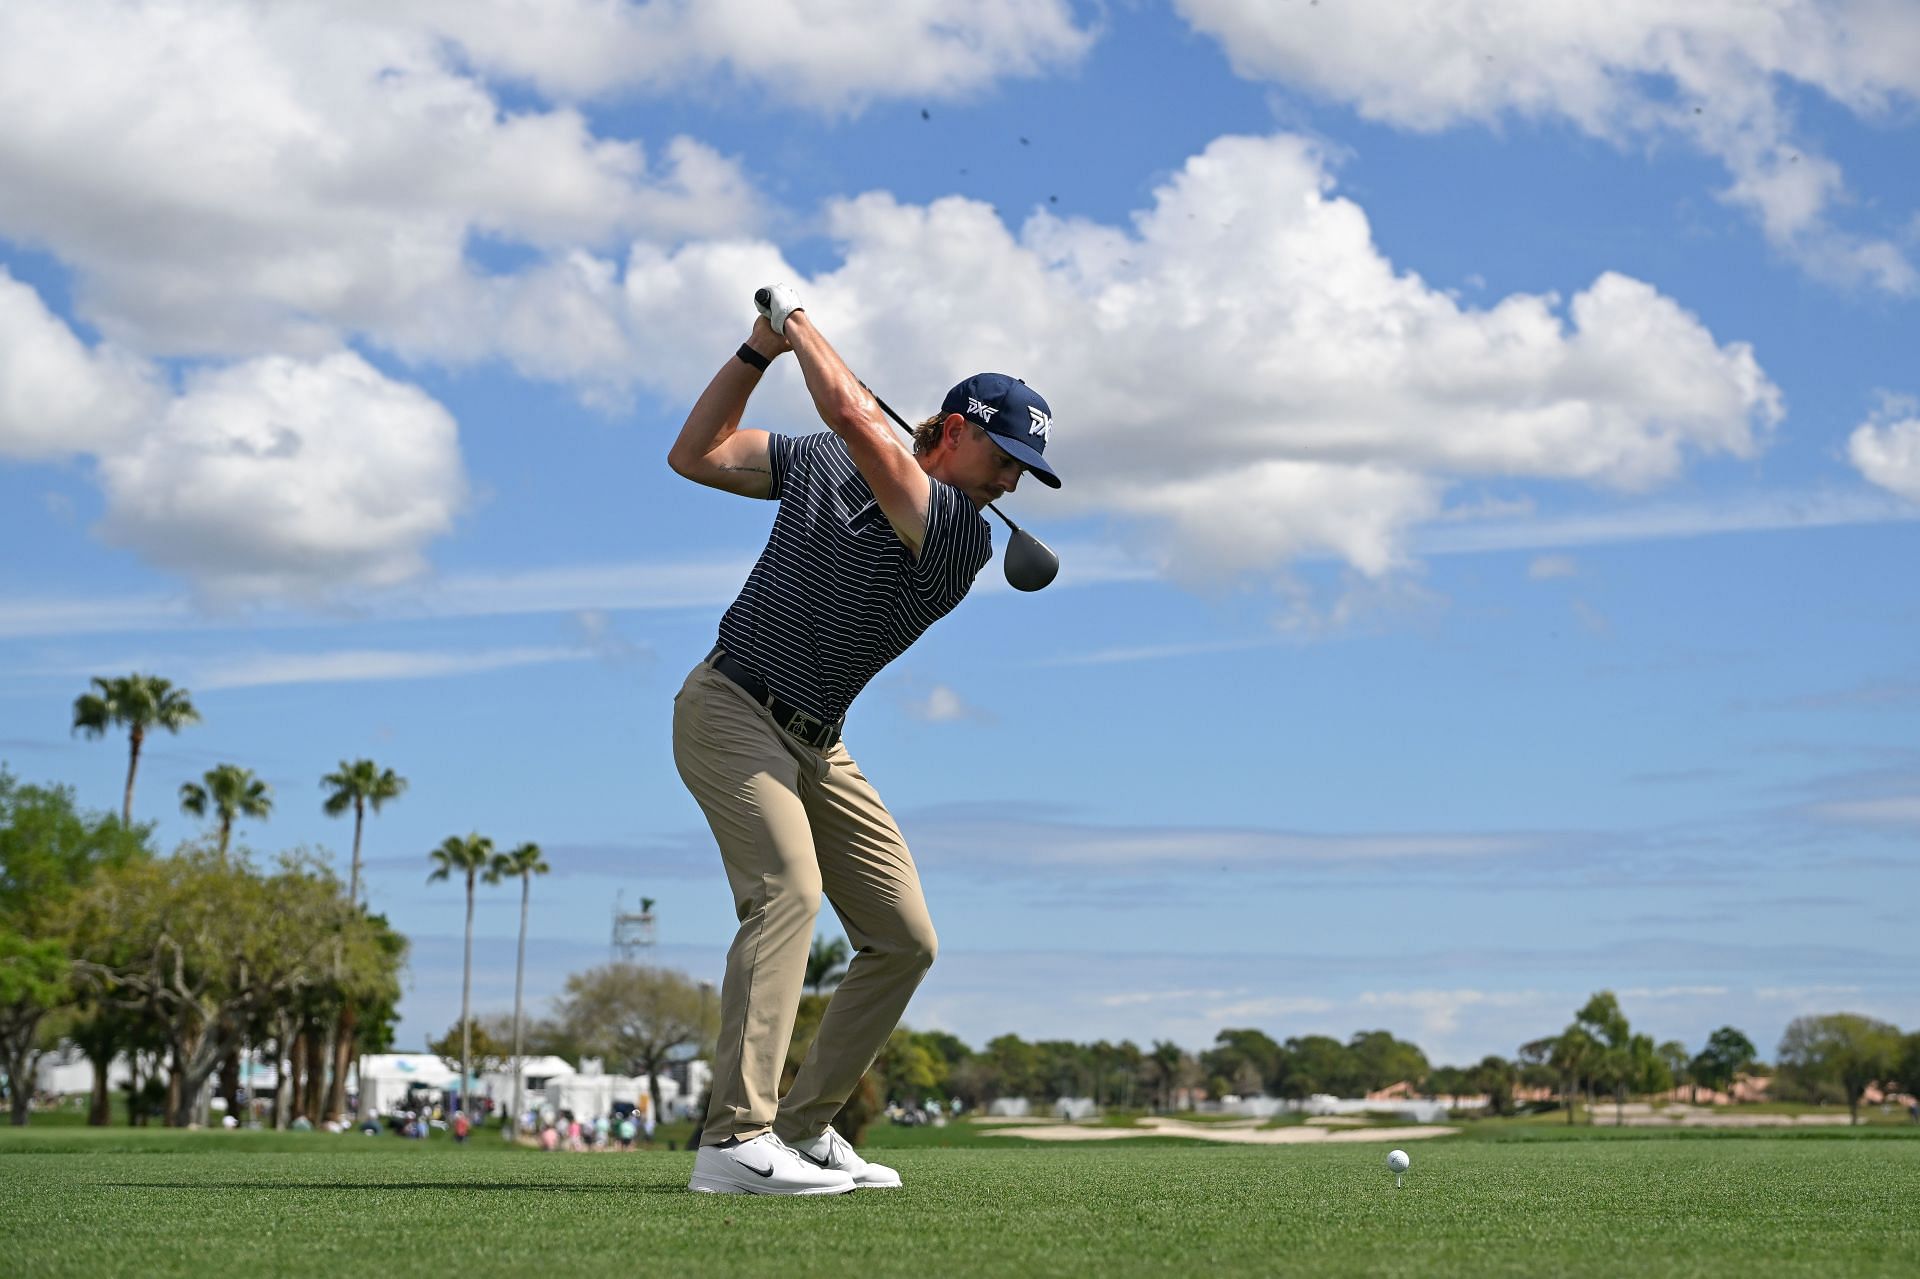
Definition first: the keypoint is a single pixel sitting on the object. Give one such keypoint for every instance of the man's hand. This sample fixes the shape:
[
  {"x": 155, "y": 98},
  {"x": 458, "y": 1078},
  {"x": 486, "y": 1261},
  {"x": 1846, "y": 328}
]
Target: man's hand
[
  {"x": 775, "y": 303},
  {"x": 767, "y": 340}
]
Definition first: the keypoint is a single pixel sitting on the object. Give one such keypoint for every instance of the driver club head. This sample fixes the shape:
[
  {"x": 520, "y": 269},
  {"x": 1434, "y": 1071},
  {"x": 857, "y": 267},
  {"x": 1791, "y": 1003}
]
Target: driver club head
[{"x": 1029, "y": 563}]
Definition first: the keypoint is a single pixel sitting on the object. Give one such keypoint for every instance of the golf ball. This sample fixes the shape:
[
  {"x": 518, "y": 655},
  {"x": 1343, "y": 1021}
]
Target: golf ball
[{"x": 1397, "y": 1160}]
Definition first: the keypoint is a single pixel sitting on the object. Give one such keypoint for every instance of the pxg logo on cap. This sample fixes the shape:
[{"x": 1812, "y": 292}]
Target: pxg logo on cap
[{"x": 1012, "y": 413}]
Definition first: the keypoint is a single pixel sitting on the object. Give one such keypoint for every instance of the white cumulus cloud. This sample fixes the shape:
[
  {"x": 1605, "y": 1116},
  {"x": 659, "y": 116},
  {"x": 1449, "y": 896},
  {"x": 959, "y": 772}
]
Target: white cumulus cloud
[
  {"x": 231, "y": 178},
  {"x": 281, "y": 475},
  {"x": 1887, "y": 449},
  {"x": 942, "y": 704},
  {"x": 57, "y": 397},
  {"x": 271, "y": 477},
  {"x": 822, "y": 55},
  {"x": 1714, "y": 73}
]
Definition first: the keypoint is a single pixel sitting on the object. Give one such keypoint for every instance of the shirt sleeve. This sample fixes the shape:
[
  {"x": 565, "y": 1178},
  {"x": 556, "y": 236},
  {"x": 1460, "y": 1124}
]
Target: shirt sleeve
[
  {"x": 957, "y": 545},
  {"x": 780, "y": 455}
]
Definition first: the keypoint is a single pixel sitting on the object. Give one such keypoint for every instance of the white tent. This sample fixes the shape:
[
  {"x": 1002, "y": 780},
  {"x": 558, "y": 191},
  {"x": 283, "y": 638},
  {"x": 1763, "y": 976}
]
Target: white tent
[
  {"x": 385, "y": 1078},
  {"x": 1261, "y": 1107},
  {"x": 536, "y": 1073},
  {"x": 631, "y": 1088},
  {"x": 546, "y": 1082},
  {"x": 594, "y": 1094},
  {"x": 1414, "y": 1108},
  {"x": 699, "y": 1075},
  {"x": 67, "y": 1071},
  {"x": 584, "y": 1095}
]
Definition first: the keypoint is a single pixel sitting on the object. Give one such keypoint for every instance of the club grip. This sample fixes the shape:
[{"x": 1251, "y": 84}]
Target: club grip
[{"x": 763, "y": 298}]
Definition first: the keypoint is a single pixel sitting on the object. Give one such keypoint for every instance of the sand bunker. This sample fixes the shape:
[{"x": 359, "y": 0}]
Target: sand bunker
[{"x": 1239, "y": 1134}]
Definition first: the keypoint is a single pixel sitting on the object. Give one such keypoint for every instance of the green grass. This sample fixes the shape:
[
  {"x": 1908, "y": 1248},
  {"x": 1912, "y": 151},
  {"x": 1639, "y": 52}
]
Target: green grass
[{"x": 1509, "y": 1200}]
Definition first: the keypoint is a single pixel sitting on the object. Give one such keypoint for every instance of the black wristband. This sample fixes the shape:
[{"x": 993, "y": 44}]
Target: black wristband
[{"x": 747, "y": 355}]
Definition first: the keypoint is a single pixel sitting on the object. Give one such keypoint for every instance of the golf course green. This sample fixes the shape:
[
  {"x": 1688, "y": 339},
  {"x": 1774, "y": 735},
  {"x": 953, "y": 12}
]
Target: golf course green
[{"x": 1521, "y": 1200}]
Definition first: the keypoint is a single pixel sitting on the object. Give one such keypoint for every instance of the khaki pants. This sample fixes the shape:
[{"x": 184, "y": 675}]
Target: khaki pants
[{"x": 792, "y": 821}]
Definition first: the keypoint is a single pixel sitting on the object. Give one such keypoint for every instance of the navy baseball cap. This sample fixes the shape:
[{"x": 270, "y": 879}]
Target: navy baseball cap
[{"x": 1012, "y": 413}]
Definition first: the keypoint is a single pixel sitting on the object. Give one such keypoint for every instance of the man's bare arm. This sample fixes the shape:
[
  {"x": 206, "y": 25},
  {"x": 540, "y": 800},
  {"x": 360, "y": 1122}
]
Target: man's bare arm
[
  {"x": 711, "y": 448},
  {"x": 851, "y": 412}
]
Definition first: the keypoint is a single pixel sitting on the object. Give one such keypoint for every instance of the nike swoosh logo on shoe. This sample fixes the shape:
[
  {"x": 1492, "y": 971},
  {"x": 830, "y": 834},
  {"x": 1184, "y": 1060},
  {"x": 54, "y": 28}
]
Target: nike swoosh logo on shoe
[
  {"x": 758, "y": 1172},
  {"x": 817, "y": 1163}
]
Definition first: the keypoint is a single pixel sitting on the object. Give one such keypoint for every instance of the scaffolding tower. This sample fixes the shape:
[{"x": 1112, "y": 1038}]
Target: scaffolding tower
[{"x": 633, "y": 931}]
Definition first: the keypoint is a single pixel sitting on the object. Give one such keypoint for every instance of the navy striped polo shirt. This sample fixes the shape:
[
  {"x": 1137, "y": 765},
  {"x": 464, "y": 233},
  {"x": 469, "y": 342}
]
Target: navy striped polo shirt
[{"x": 836, "y": 595}]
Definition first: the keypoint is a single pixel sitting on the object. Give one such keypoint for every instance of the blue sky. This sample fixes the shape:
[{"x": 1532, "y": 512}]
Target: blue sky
[{"x": 1491, "y": 449}]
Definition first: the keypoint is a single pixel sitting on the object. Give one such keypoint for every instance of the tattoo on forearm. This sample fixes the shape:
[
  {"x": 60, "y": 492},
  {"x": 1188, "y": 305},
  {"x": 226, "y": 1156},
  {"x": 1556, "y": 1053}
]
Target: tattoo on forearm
[{"x": 754, "y": 470}]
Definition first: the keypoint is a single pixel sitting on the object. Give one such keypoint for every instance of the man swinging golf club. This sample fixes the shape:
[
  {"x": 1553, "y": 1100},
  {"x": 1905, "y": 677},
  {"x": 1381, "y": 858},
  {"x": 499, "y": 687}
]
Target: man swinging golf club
[{"x": 871, "y": 545}]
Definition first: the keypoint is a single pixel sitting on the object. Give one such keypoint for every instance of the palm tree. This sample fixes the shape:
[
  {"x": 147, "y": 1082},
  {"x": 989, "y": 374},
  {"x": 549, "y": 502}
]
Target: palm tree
[
  {"x": 231, "y": 792},
  {"x": 524, "y": 862},
  {"x": 1575, "y": 1053},
  {"x": 469, "y": 856},
  {"x": 360, "y": 785},
  {"x": 1165, "y": 1062},
  {"x": 140, "y": 702},
  {"x": 826, "y": 964}
]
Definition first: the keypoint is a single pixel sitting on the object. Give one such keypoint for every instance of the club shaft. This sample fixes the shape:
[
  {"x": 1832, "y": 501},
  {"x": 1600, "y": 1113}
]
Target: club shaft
[{"x": 888, "y": 409}]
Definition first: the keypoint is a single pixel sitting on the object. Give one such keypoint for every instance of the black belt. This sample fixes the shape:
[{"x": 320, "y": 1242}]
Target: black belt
[{"x": 795, "y": 722}]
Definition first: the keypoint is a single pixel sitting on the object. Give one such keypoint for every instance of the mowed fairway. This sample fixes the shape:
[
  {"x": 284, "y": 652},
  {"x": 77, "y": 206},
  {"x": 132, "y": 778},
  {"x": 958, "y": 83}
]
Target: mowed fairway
[{"x": 96, "y": 1203}]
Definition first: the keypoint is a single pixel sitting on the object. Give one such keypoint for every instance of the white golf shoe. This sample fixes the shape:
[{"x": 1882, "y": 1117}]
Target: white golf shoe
[
  {"x": 830, "y": 1152},
  {"x": 764, "y": 1165}
]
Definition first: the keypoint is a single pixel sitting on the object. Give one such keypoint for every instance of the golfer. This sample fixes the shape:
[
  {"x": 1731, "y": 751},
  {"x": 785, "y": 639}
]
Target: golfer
[{"x": 871, "y": 545}]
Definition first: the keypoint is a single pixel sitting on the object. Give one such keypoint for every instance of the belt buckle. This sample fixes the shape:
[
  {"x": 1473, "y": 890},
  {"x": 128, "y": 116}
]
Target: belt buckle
[{"x": 805, "y": 727}]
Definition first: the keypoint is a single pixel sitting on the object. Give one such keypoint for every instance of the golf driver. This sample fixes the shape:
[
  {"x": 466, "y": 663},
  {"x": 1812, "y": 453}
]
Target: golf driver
[{"x": 1029, "y": 562}]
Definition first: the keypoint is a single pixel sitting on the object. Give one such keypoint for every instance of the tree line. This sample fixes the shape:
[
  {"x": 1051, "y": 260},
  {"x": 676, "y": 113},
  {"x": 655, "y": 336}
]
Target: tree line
[
  {"x": 186, "y": 963},
  {"x": 637, "y": 1016},
  {"x": 182, "y": 963},
  {"x": 1821, "y": 1058},
  {"x": 179, "y": 963}
]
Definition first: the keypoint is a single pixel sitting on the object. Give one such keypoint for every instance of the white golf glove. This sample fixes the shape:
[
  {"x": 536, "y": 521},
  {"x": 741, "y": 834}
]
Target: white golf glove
[{"x": 777, "y": 302}]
